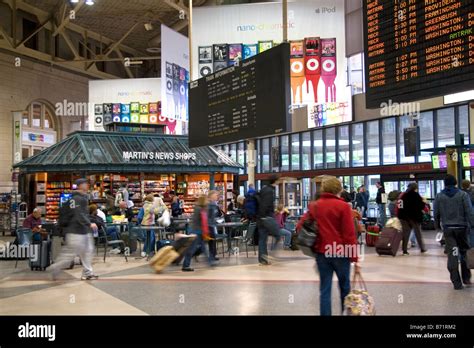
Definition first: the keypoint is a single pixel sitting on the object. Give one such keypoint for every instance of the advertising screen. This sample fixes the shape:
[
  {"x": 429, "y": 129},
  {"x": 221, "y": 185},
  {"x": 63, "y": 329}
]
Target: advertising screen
[
  {"x": 468, "y": 159},
  {"x": 439, "y": 161},
  {"x": 248, "y": 100},
  {"x": 417, "y": 49}
]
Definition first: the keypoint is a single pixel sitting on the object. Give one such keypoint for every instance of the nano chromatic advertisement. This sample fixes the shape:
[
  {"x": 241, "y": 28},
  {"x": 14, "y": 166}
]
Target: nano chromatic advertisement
[{"x": 224, "y": 35}]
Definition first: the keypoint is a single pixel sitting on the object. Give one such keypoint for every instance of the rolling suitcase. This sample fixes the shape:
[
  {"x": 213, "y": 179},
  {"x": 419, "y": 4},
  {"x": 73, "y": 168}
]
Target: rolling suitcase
[
  {"x": 163, "y": 258},
  {"x": 181, "y": 245},
  {"x": 389, "y": 241},
  {"x": 372, "y": 234},
  {"x": 41, "y": 259}
]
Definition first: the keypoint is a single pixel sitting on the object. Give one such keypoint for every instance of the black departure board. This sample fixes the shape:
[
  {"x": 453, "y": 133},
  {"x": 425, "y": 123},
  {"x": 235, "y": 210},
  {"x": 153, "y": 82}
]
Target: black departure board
[
  {"x": 240, "y": 102},
  {"x": 417, "y": 49}
]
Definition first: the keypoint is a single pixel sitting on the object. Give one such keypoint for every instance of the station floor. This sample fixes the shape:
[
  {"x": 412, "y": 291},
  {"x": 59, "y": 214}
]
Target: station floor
[{"x": 405, "y": 285}]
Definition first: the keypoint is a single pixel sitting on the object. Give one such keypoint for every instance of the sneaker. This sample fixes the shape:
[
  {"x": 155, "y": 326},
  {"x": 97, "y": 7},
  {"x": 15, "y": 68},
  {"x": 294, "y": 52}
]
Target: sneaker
[
  {"x": 216, "y": 258},
  {"x": 424, "y": 251},
  {"x": 115, "y": 251},
  {"x": 143, "y": 254},
  {"x": 405, "y": 253},
  {"x": 460, "y": 287},
  {"x": 90, "y": 277},
  {"x": 467, "y": 282},
  {"x": 187, "y": 269}
]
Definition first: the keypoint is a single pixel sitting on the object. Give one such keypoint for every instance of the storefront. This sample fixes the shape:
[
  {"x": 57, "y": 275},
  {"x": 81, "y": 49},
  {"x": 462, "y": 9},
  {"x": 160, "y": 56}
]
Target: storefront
[
  {"x": 147, "y": 163},
  {"x": 359, "y": 152}
]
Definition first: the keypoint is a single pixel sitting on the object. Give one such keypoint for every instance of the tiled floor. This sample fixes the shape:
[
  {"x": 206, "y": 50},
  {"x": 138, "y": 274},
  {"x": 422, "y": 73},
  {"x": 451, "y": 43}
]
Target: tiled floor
[{"x": 416, "y": 284}]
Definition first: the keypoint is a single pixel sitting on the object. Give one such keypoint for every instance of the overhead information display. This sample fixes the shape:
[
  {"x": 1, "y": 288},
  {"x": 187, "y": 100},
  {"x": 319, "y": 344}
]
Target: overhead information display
[
  {"x": 417, "y": 49},
  {"x": 243, "y": 101}
]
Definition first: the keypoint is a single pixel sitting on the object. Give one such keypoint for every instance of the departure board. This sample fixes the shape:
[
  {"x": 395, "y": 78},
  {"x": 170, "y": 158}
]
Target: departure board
[
  {"x": 417, "y": 49},
  {"x": 248, "y": 100}
]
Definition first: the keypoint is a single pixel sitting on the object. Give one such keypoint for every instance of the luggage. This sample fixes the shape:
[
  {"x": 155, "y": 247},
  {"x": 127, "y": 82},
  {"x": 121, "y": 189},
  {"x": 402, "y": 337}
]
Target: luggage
[
  {"x": 41, "y": 255},
  {"x": 181, "y": 245},
  {"x": 163, "y": 258},
  {"x": 389, "y": 241},
  {"x": 162, "y": 243},
  {"x": 470, "y": 258},
  {"x": 371, "y": 235}
]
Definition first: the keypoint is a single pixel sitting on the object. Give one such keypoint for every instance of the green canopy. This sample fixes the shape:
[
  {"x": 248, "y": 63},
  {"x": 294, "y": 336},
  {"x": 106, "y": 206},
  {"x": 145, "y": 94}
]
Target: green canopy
[{"x": 127, "y": 152}]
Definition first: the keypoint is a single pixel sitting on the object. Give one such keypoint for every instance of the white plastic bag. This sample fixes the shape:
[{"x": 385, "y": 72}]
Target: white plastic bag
[{"x": 165, "y": 219}]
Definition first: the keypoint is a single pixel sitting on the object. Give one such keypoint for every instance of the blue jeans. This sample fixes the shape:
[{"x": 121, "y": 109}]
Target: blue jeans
[
  {"x": 326, "y": 267},
  {"x": 141, "y": 235},
  {"x": 262, "y": 244},
  {"x": 198, "y": 242},
  {"x": 287, "y": 235},
  {"x": 112, "y": 231},
  {"x": 382, "y": 214}
]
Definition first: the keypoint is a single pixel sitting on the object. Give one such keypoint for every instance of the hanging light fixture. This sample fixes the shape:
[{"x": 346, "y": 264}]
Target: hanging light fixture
[{"x": 90, "y": 2}]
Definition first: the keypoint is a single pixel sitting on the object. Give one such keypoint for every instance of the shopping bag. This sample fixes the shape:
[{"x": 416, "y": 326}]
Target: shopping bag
[{"x": 358, "y": 302}]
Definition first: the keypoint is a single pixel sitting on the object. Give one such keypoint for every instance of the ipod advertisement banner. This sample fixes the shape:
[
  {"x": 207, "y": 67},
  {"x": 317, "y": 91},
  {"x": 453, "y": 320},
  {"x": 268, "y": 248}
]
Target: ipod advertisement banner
[
  {"x": 317, "y": 52},
  {"x": 175, "y": 68}
]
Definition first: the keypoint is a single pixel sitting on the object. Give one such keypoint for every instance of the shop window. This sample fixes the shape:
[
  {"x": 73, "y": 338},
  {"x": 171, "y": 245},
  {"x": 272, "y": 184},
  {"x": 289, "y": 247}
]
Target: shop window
[
  {"x": 371, "y": 188},
  {"x": 318, "y": 149},
  {"x": 464, "y": 122},
  {"x": 36, "y": 115},
  {"x": 25, "y": 119},
  {"x": 285, "y": 153},
  {"x": 445, "y": 123},
  {"x": 331, "y": 147},
  {"x": 306, "y": 150},
  {"x": 344, "y": 148},
  {"x": 358, "y": 145},
  {"x": 295, "y": 151},
  {"x": 274, "y": 144},
  {"x": 48, "y": 120},
  {"x": 358, "y": 181},
  {"x": 405, "y": 122},
  {"x": 266, "y": 155},
  {"x": 25, "y": 152},
  {"x": 426, "y": 135},
  {"x": 373, "y": 143},
  {"x": 389, "y": 141}
]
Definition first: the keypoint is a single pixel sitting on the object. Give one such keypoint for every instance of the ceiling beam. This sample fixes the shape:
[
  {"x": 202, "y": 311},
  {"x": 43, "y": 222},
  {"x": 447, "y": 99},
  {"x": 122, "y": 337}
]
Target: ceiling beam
[
  {"x": 7, "y": 38},
  {"x": 64, "y": 21},
  {"x": 37, "y": 30},
  {"x": 177, "y": 5}
]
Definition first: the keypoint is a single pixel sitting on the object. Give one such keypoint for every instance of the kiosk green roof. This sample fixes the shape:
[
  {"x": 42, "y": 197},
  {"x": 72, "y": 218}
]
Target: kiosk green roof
[{"x": 85, "y": 151}]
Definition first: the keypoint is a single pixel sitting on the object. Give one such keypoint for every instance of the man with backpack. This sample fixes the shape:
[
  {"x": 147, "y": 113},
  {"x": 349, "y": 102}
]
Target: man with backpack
[
  {"x": 75, "y": 222},
  {"x": 250, "y": 211},
  {"x": 452, "y": 211}
]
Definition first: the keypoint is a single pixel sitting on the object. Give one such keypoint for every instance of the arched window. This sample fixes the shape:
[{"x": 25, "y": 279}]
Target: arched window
[{"x": 39, "y": 128}]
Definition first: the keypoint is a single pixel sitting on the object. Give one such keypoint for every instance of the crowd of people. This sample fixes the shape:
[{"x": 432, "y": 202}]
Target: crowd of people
[{"x": 333, "y": 212}]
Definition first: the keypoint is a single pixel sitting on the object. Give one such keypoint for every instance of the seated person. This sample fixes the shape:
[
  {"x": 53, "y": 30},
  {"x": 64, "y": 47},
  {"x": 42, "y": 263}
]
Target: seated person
[
  {"x": 96, "y": 219},
  {"x": 123, "y": 209},
  {"x": 280, "y": 216},
  {"x": 33, "y": 222}
]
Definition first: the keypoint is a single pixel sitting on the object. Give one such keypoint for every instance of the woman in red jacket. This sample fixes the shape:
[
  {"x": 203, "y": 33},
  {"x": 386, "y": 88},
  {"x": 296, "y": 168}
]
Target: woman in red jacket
[{"x": 336, "y": 246}]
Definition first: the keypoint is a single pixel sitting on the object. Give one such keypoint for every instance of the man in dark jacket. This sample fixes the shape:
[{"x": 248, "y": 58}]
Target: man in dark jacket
[
  {"x": 345, "y": 195},
  {"x": 78, "y": 229},
  {"x": 410, "y": 213},
  {"x": 250, "y": 211},
  {"x": 213, "y": 214},
  {"x": 381, "y": 203},
  {"x": 452, "y": 208},
  {"x": 362, "y": 200},
  {"x": 266, "y": 221}
]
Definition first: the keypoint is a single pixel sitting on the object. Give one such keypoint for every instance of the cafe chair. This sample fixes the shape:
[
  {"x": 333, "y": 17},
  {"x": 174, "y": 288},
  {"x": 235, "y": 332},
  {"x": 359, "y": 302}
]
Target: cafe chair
[
  {"x": 24, "y": 237},
  {"x": 104, "y": 240},
  {"x": 240, "y": 236},
  {"x": 221, "y": 238}
]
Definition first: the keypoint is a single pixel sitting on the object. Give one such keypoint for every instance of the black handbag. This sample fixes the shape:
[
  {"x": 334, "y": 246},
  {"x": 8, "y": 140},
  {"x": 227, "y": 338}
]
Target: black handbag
[{"x": 307, "y": 237}]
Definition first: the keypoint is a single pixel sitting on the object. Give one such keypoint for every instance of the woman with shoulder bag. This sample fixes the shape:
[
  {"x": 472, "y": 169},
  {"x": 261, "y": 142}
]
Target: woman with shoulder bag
[{"x": 336, "y": 243}]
